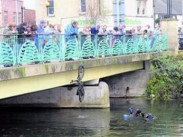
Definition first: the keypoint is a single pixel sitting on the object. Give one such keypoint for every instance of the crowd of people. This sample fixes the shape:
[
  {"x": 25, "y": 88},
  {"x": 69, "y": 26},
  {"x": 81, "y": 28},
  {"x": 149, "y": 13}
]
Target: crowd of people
[
  {"x": 41, "y": 33},
  {"x": 72, "y": 30}
]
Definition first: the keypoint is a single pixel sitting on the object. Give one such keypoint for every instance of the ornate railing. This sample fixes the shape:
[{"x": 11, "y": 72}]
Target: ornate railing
[{"x": 20, "y": 50}]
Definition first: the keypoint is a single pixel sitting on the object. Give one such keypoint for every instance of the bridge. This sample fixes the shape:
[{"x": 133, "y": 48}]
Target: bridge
[{"x": 31, "y": 65}]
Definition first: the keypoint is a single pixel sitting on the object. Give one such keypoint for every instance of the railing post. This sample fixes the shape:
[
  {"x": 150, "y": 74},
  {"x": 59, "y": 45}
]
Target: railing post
[
  {"x": 79, "y": 50},
  {"x": 15, "y": 49},
  {"x": 96, "y": 45},
  {"x": 64, "y": 42},
  {"x": 110, "y": 50},
  {"x": 60, "y": 47},
  {"x": 40, "y": 47}
]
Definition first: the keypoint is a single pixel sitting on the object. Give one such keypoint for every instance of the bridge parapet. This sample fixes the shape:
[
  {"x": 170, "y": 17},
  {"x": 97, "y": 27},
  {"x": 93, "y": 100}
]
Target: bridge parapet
[
  {"x": 19, "y": 50},
  {"x": 10, "y": 73}
]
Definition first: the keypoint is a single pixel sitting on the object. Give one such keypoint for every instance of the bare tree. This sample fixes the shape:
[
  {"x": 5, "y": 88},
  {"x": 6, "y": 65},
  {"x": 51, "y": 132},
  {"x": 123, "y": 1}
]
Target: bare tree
[
  {"x": 96, "y": 11},
  {"x": 92, "y": 11}
]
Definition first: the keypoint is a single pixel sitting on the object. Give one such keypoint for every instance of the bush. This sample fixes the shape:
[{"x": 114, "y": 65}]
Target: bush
[{"x": 167, "y": 81}]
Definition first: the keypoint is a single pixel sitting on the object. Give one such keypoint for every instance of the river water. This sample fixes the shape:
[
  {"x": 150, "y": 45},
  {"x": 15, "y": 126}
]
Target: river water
[{"x": 94, "y": 122}]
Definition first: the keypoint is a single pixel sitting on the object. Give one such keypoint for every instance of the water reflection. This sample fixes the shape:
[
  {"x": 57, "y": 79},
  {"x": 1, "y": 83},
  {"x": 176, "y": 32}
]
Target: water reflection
[{"x": 94, "y": 122}]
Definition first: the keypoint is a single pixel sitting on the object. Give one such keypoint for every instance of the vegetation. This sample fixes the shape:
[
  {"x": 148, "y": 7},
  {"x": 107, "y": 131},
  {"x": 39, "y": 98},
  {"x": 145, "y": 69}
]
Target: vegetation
[
  {"x": 167, "y": 78},
  {"x": 157, "y": 21}
]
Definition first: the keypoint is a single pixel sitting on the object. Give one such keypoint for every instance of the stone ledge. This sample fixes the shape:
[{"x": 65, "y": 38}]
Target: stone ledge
[{"x": 56, "y": 67}]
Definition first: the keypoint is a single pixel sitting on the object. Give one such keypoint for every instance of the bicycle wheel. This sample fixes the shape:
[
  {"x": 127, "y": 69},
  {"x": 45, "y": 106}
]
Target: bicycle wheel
[
  {"x": 81, "y": 93},
  {"x": 80, "y": 72}
]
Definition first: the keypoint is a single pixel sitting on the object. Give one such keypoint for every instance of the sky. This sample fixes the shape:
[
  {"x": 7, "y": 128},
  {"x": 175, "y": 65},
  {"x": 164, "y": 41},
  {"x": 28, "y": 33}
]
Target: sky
[{"x": 30, "y": 4}]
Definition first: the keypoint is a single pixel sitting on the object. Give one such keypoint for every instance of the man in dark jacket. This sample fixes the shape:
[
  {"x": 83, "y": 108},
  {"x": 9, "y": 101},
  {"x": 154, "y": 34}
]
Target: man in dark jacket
[{"x": 22, "y": 31}]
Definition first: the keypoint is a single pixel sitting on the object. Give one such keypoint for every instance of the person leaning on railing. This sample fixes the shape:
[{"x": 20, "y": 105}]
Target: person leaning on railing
[
  {"x": 22, "y": 31},
  {"x": 40, "y": 36},
  {"x": 9, "y": 34},
  {"x": 71, "y": 31}
]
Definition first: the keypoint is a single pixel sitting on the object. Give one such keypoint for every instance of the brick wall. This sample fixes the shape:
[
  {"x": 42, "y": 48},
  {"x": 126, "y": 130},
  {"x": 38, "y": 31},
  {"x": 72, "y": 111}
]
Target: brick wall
[
  {"x": 30, "y": 16},
  {"x": 9, "y": 7}
]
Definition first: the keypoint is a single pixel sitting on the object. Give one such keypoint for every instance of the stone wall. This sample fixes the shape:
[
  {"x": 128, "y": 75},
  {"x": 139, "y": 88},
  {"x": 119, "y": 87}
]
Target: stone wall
[
  {"x": 63, "y": 97},
  {"x": 170, "y": 26},
  {"x": 131, "y": 84}
]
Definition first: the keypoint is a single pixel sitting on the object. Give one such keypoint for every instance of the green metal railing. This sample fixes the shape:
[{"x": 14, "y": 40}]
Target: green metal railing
[{"x": 19, "y": 50}]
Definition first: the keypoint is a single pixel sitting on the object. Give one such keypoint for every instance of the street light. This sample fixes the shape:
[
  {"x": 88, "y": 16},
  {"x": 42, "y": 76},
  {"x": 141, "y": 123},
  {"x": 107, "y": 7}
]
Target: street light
[
  {"x": 169, "y": 8},
  {"x": 22, "y": 10},
  {"x": 154, "y": 14},
  {"x": 47, "y": 4}
]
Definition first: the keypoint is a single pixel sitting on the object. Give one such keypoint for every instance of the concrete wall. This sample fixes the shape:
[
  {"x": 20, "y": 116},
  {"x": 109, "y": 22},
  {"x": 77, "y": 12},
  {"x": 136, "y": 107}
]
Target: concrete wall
[
  {"x": 170, "y": 26},
  {"x": 95, "y": 97},
  {"x": 131, "y": 84}
]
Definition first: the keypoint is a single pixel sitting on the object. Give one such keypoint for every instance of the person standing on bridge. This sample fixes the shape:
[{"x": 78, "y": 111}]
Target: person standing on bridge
[
  {"x": 71, "y": 31},
  {"x": 40, "y": 37}
]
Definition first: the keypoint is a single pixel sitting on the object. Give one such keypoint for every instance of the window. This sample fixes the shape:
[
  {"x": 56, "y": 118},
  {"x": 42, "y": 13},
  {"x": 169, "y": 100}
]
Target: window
[
  {"x": 83, "y": 5},
  {"x": 141, "y": 7},
  {"x": 138, "y": 7},
  {"x": 51, "y": 8},
  {"x": 14, "y": 17},
  {"x": 5, "y": 17},
  {"x": 118, "y": 12}
]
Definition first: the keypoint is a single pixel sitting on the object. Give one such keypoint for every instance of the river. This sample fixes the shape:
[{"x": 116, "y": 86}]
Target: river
[{"x": 34, "y": 122}]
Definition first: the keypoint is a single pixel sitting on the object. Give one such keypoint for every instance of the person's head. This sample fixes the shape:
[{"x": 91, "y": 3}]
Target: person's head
[
  {"x": 148, "y": 26},
  {"x": 28, "y": 28},
  {"x": 51, "y": 27},
  {"x": 150, "y": 33},
  {"x": 138, "y": 111},
  {"x": 139, "y": 28},
  {"x": 121, "y": 26},
  {"x": 75, "y": 24},
  {"x": 24, "y": 25},
  {"x": 133, "y": 30},
  {"x": 34, "y": 28},
  {"x": 115, "y": 28},
  {"x": 89, "y": 28},
  {"x": 12, "y": 26},
  {"x": 43, "y": 23},
  {"x": 145, "y": 32},
  {"x": 97, "y": 27},
  {"x": 104, "y": 27}
]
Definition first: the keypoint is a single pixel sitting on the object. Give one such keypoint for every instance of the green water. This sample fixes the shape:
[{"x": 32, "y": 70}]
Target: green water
[{"x": 94, "y": 122}]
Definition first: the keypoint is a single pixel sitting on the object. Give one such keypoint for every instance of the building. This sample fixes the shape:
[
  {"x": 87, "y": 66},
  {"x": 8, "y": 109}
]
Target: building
[
  {"x": 10, "y": 12},
  {"x": 29, "y": 16},
  {"x": 169, "y": 8},
  {"x": 139, "y": 13},
  {"x": 88, "y": 12},
  {"x": 29, "y": 11}
]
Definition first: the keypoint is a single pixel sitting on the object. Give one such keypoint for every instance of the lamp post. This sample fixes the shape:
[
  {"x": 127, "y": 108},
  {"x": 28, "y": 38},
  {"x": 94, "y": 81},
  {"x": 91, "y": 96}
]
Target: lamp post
[
  {"x": 22, "y": 11},
  {"x": 47, "y": 4},
  {"x": 169, "y": 8},
  {"x": 154, "y": 14},
  {"x": 16, "y": 3}
]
